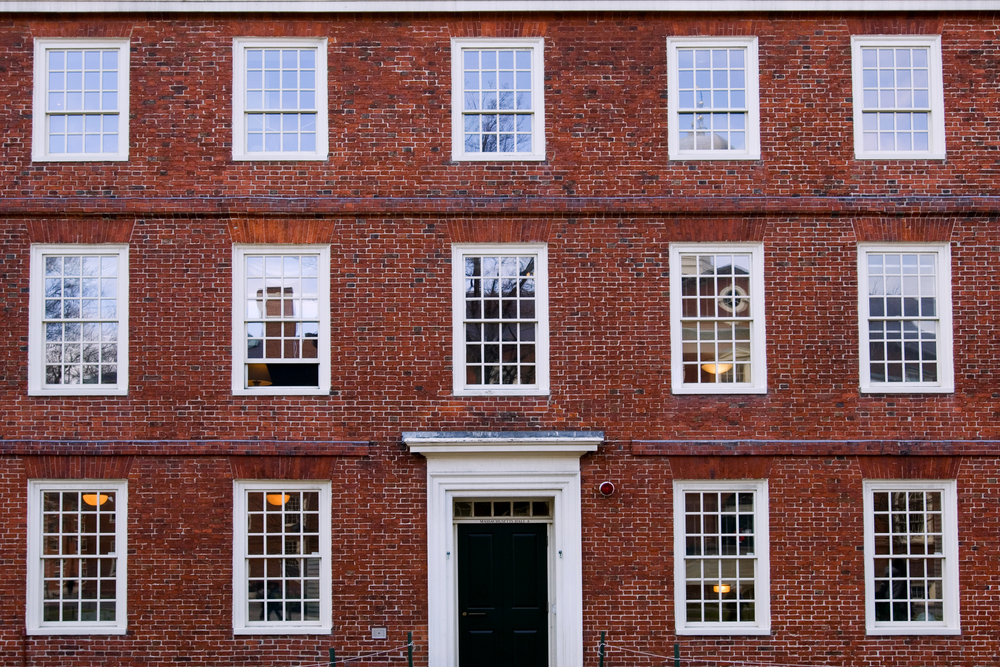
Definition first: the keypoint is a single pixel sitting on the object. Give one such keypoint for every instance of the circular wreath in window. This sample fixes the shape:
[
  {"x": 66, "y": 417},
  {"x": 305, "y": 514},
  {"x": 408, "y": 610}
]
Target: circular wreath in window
[{"x": 733, "y": 299}]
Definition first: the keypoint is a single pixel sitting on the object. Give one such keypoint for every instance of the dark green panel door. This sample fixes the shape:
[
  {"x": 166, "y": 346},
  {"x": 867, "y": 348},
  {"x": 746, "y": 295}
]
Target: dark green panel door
[{"x": 502, "y": 595}]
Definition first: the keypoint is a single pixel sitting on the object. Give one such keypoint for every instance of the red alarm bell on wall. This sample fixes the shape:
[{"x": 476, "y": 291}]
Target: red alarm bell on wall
[{"x": 606, "y": 488}]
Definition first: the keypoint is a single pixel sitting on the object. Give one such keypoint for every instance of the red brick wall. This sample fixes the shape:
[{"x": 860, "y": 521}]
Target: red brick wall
[{"x": 390, "y": 202}]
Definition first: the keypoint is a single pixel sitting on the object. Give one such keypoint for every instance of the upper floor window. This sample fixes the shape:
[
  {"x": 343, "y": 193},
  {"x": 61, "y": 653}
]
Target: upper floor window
[
  {"x": 281, "y": 557},
  {"x": 497, "y": 108},
  {"x": 281, "y": 319},
  {"x": 501, "y": 326},
  {"x": 76, "y": 557},
  {"x": 712, "y": 99},
  {"x": 911, "y": 557},
  {"x": 78, "y": 320},
  {"x": 279, "y": 99},
  {"x": 905, "y": 305},
  {"x": 898, "y": 96},
  {"x": 721, "y": 564},
  {"x": 80, "y": 100},
  {"x": 717, "y": 318}
]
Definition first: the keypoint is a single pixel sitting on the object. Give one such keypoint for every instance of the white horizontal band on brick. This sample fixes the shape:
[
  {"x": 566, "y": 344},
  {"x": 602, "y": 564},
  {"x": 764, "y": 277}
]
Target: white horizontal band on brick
[{"x": 241, "y": 6}]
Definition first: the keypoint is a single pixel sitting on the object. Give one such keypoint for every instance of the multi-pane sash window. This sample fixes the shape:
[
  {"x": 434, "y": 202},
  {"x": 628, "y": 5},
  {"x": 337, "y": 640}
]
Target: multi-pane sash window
[
  {"x": 907, "y": 341},
  {"x": 76, "y": 558},
  {"x": 722, "y": 571},
  {"x": 713, "y": 99},
  {"x": 283, "y": 326},
  {"x": 79, "y": 304},
  {"x": 281, "y": 99},
  {"x": 910, "y": 557},
  {"x": 897, "y": 96},
  {"x": 501, "y": 320},
  {"x": 81, "y": 100},
  {"x": 498, "y": 92},
  {"x": 717, "y": 318},
  {"x": 282, "y": 568}
]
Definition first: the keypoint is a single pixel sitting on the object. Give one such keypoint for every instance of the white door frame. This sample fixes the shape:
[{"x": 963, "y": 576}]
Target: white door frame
[{"x": 505, "y": 465}]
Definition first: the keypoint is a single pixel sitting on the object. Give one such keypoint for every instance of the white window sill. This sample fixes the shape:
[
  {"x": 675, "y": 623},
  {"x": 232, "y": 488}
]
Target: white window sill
[
  {"x": 724, "y": 630},
  {"x": 284, "y": 630},
  {"x": 81, "y": 157},
  {"x": 921, "y": 630},
  {"x": 714, "y": 389},
  {"x": 900, "y": 155},
  {"x": 273, "y": 157},
  {"x": 906, "y": 389},
  {"x": 76, "y": 630},
  {"x": 520, "y": 391},
  {"x": 77, "y": 391},
  {"x": 282, "y": 391},
  {"x": 718, "y": 156},
  {"x": 498, "y": 157}
]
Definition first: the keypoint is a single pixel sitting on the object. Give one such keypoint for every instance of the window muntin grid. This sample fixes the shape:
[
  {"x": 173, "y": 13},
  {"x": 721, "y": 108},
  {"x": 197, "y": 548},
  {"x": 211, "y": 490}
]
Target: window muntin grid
[
  {"x": 82, "y": 101},
  {"x": 80, "y": 319},
  {"x": 500, "y": 319},
  {"x": 281, "y": 99},
  {"x": 896, "y": 102},
  {"x": 712, "y": 105},
  {"x": 283, "y": 558},
  {"x": 903, "y": 317},
  {"x": 497, "y": 90},
  {"x": 909, "y": 561},
  {"x": 282, "y": 308},
  {"x": 79, "y": 556},
  {"x": 506, "y": 509},
  {"x": 717, "y": 307},
  {"x": 720, "y": 562}
]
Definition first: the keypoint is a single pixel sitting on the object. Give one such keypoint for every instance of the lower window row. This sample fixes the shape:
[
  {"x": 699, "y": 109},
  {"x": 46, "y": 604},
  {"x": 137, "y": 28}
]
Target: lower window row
[{"x": 282, "y": 557}]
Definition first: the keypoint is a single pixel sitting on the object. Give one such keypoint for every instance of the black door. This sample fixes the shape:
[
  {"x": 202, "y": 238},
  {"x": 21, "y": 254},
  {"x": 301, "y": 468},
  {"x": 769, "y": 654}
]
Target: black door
[{"x": 502, "y": 595}]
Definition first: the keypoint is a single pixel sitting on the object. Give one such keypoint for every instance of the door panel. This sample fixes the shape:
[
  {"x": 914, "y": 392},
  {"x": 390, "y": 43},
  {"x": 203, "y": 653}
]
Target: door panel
[{"x": 503, "y": 595}]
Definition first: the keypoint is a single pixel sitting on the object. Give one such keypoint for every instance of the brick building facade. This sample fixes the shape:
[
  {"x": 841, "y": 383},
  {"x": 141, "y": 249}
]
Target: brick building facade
[{"x": 304, "y": 304}]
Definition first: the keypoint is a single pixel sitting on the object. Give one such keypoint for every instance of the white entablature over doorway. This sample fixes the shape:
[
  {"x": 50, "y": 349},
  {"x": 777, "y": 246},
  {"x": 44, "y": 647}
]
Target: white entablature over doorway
[{"x": 497, "y": 464}]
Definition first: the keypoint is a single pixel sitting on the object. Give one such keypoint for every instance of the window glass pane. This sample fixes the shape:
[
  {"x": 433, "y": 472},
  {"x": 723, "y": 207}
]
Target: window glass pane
[
  {"x": 502, "y": 307},
  {"x": 85, "y": 82},
  {"x": 497, "y": 80},
  {"x": 79, "y": 555}
]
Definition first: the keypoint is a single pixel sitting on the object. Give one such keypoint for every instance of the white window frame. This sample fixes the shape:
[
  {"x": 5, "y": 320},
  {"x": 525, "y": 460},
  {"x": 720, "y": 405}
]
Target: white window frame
[
  {"x": 40, "y": 114},
  {"x": 762, "y": 585},
  {"x": 240, "y": 46},
  {"x": 758, "y": 341},
  {"x": 936, "y": 143},
  {"x": 241, "y": 625},
  {"x": 239, "y": 380},
  {"x": 537, "y": 45},
  {"x": 34, "y": 625},
  {"x": 946, "y": 373},
  {"x": 540, "y": 252},
  {"x": 951, "y": 624},
  {"x": 36, "y": 329},
  {"x": 752, "y": 151}
]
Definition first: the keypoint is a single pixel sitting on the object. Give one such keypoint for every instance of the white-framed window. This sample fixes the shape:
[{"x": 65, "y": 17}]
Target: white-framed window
[
  {"x": 721, "y": 563},
  {"x": 713, "y": 98},
  {"x": 717, "y": 318},
  {"x": 498, "y": 108},
  {"x": 905, "y": 324},
  {"x": 281, "y": 557},
  {"x": 501, "y": 320},
  {"x": 898, "y": 97},
  {"x": 279, "y": 99},
  {"x": 76, "y": 557},
  {"x": 80, "y": 107},
  {"x": 911, "y": 557},
  {"x": 78, "y": 320},
  {"x": 281, "y": 319}
]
